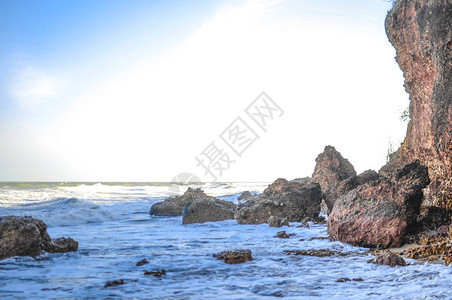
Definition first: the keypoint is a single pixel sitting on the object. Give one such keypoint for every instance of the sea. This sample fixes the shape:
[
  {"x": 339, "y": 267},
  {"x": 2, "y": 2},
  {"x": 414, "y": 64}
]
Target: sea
[{"x": 112, "y": 224}]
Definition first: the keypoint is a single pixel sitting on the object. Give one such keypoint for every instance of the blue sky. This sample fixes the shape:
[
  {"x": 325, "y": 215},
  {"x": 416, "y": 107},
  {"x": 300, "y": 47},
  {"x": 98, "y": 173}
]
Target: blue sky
[{"x": 134, "y": 90}]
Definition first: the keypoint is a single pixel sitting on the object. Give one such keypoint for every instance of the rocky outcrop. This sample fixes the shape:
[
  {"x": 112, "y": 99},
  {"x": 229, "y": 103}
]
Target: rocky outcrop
[
  {"x": 274, "y": 221},
  {"x": 421, "y": 33},
  {"x": 174, "y": 206},
  {"x": 291, "y": 200},
  {"x": 27, "y": 236},
  {"x": 389, "y": 259},
  {"x": 234, "y": 256},
  {"x": 380, "y": 213},
  {"x": 208, "y": 210},
  {"x": 331, "y": 169}
]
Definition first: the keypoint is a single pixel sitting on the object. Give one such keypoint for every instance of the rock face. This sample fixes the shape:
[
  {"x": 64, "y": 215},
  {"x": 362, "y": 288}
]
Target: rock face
[
  {"x": 291, "y": 200},
  {"x": 174, "y": 206},
  {"x": 330, "y": 169},
  {"x": 380, "y": 213},
  {"x": 208, "y": 210},
  {"x": 26, "y": 236},
  {"x": 421, "y": 33}
]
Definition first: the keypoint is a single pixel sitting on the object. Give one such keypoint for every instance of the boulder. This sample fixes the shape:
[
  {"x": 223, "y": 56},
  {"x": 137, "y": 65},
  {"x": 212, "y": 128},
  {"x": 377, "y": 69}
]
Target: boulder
[
  {"x": 277, "y": 222},
  {"x": 330, "y": 169},
  {"x": 389, "y": 259},
  {"x": 174, "y": 206},
  {"x": 208, "y": 210},
  {"x": 234, "y": 256},
  {"x": 291, "y": 200},
  {"x": 380, "y": 213},
  {"x": 27, "y": 236}
]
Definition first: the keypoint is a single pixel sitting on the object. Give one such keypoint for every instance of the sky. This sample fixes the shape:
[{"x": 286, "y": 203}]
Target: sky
[{"x": 147, "y": 90}]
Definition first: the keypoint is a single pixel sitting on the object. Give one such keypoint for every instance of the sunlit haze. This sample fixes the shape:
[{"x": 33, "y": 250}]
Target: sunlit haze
[{"x": 134, "y": 91}]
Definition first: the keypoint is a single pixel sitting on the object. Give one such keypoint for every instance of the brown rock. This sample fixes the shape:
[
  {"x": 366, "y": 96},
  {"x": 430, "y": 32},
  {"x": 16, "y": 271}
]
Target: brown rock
[
  {"x": 380, "y": 213},
  {"x": 208, "y": 210},
  {"x": 234, "y": 256},
  {"x": 282, "y": 199},
  {"x": 330, "y": 169},
  {"x": 142, "y": 262},
  {"x": 114, "y": 283},
  {"x": 157, "y": 273},
  {"x": 421, "y": 33},
  {"x": 27, "y": 236},
  {"x": 389, "y": 259},
  {"x": 283, "y": 235},
  {"x": 277, "y": 222},
  {"x": 174, "y": 206},
  {"x": 313, "y": 252}
]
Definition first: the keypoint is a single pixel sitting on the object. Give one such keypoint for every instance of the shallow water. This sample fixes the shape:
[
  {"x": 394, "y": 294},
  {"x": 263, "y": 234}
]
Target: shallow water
[{"x": 115, "y": 231}]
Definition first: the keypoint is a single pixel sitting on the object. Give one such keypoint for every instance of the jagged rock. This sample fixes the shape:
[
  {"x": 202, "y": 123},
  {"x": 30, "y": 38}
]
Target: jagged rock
[
  {"x": 343, "y": 187},
  {"x": 234, "y": 256},
  {"x": 281, "y": 199},
  {"x": 174, "y": 206},
  {"x": 283, "y": 235},
  {"x": 380, "y": 213},
  {"x": 388, "y": 258},
  {"x": 421, "y": 33},
  {"x": 114, "y": 283},
  {"x": 246, "y": 195},
  {"x": 27, "y": 236},
  {"x": 157, "y": 273},
  {"x": 142, "y": 262},
  {"x": 208, "y": 210},
  {"x": 277, "y": 222},
  {"x": 330, "y": 169},
  {"x": 434, "y": 218}
]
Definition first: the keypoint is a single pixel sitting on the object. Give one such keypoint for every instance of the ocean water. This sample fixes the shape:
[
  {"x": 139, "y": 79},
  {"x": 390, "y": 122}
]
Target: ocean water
[{"x": 115, "y": 231}]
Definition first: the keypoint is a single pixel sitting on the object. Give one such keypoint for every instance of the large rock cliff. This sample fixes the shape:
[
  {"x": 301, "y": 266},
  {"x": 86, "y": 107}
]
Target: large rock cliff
[{"x": 421, "y": 32}]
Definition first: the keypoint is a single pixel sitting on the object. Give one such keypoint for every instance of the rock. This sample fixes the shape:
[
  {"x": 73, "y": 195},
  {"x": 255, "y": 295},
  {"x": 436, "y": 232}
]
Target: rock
[
  {"x": 245, "y": 196},
  {"x": 208, "y": 210},
  {"x": 282, "y": 199},
  {"x": 380, "y": 213},
  {"x": 283, "y": 235},
  {"x": 62, "y": 245},
  {"x": 441, "y": 250},
  {"x": 174, "y": 206},
  {"x": 330, "y": 169},
  {"x": 343, "y": 279},
  {"x": 114, "y": 283},
  {"x": 330, "y": 195},
  {"x": 389, "y": 259},
  {"x": 157, "y": 273},
  {"x": 277, "y": 222},
  {"x": 142, "y": 262},
  {"x": 313, "y": 252},
  {"x": 421, "y": 33},
  {"x": 234, "y": 256},
  {"x": 27, "y": 236},
  {"x": 434, "y": 218},
  {"x": 303, "y": 180}
]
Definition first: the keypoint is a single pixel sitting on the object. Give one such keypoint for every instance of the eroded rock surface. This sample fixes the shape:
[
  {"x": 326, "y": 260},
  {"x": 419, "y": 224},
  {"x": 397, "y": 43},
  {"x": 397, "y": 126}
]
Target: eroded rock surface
[
  {"x": 380, "y": 213},
  {"x": 331, "y": 169},
  {"x": 421, "y": 33},
  {"x": 389, "y": 259},
  {"x": 27, "y": 236},
  {"x": 208, "y": 210},
  {"x": 234, "y": 256},
  {"x": 174, "y": 206},
  {"x": 291, "y": 200}
]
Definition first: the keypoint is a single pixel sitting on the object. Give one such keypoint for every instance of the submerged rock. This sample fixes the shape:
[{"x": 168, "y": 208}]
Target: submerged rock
[
  {"x": 330, "y": 169},
  {"x": 380, "y": 213},
  {"x": 234, "y": 256},
  {"x": 208, "y": 210},
  {"x": 157, "y": 273},
  {"x": 27, "y": 236},
  {"x": 283, "y": 235},
  {"x": 291, "y": 200},
  {"x": 142, "y": 262},
  {"x": 114, "y": 283},
  {"x": 314, "y": 252},
  {"x": 174, "y": 206},
  {"x": 389, "y": 258}
]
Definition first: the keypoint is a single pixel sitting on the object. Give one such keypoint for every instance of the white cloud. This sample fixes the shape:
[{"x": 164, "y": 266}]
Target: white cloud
[{"x": 31, "y": 86}]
